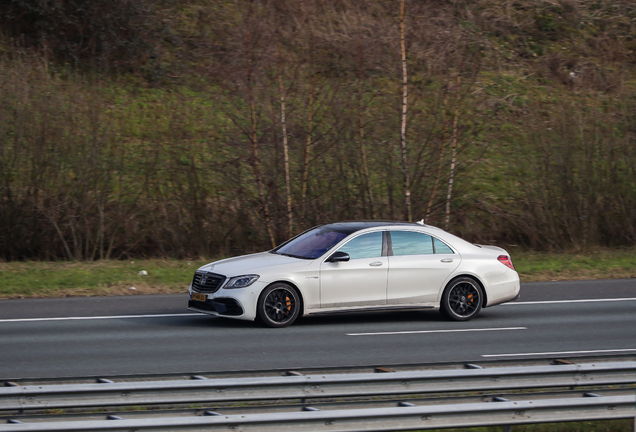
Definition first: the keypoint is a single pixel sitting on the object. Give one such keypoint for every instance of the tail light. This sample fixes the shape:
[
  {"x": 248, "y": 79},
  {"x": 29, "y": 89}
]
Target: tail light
[{"x": 505, "y": 260}]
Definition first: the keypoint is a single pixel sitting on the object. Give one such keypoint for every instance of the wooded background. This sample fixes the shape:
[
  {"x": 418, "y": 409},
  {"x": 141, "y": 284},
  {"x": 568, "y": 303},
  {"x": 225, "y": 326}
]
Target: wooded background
[{"x": 182, "y": 128}]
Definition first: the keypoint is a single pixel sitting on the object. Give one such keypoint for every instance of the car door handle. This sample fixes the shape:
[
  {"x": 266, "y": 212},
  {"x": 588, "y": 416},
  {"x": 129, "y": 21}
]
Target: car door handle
[
  {"x": 376, "y": 264},
  {"x": 447, "y": 260}
]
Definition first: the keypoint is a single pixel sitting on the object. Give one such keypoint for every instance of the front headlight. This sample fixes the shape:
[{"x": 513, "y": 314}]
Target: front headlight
[{"x": 241, "y": 281}]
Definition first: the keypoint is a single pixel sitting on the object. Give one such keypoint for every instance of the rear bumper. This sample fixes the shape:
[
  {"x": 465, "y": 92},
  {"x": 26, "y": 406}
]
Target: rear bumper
[
  {"x": 506, "y": 301},
  {"x": 513, "y": 291}
]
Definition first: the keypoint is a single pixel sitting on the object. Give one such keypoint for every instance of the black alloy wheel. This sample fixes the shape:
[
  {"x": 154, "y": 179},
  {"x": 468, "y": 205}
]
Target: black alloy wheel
[
  {"x": 278, "y": 305},
  {"x": 462, "y": 299}
]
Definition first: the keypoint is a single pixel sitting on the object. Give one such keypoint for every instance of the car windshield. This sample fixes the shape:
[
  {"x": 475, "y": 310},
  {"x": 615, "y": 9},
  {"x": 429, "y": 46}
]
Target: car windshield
[{"x": 312, "y": 244}]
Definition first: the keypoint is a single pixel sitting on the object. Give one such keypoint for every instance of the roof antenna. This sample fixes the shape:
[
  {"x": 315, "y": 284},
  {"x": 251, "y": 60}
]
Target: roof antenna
[{"x": 421, "y": 222}]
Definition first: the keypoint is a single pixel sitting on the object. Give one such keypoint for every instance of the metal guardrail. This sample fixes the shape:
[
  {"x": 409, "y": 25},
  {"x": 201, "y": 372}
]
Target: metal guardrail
[
  {"x": 407, "y": 416},
  {"x": 312, "y": 386},
  {"x": 387, "y": 419},
  {"x": 325, "y": 370}
]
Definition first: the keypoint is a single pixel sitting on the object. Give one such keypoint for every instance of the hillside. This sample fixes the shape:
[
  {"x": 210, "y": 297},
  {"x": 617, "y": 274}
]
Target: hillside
[{"x": 199, "y": 128}]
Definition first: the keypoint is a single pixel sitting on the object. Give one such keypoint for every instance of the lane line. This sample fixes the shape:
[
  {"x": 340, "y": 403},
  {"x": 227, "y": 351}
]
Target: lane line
[
  {"x": 561, "y": 353},
  {"x": 436, "y": 331},
  {"x": 570, "y": 301},
  {"x": 352, "y": 334},
  {"x": 96, "y": 317}
]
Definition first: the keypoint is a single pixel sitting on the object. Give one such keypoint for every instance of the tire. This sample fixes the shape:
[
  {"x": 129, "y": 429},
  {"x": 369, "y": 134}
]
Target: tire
[
  {"x": 462, "y": 299},
  {"x": 278, "y": 305}
]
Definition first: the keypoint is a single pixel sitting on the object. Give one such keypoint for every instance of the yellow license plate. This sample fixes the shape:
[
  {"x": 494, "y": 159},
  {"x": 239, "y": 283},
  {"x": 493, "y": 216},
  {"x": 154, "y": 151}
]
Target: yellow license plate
[{"x": 199, "y": 297}]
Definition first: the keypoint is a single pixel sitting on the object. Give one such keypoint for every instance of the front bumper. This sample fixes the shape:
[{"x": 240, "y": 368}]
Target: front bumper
[
  {"x": 219, "y": 306},
  {"x": 237, "y": 303}
]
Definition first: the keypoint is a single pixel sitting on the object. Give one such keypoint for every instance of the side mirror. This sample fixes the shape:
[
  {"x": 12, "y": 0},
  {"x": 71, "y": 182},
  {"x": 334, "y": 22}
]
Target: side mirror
[{"x": 338, "y": 257}]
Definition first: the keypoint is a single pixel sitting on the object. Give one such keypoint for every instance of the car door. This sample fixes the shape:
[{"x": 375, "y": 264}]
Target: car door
[
  {"x": 416, "y": 272},
  {"x": 362, "y": 280}
]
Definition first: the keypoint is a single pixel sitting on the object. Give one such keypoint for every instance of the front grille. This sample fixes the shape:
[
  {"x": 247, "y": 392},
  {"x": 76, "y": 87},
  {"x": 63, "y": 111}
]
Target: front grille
[{"x": 207, "y": 282}]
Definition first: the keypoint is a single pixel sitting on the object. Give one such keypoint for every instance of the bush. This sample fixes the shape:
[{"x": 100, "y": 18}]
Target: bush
[{"x": 112, "y": 35}]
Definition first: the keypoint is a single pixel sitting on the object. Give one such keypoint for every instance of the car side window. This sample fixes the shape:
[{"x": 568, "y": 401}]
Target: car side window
[
  {"x": 364, "y": 246},
  {"x": 411, "y": 243},
  {"x": 441, "y": 247}
]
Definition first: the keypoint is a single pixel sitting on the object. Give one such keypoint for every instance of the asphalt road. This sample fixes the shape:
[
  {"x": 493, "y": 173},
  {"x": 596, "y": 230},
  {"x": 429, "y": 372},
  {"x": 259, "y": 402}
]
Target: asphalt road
[{"x": 92, "y": 336}]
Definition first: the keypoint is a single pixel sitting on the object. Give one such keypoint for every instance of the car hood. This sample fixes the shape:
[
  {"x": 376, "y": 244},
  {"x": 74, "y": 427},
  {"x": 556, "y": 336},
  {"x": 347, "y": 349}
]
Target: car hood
[{"x": 258, "y": 263}]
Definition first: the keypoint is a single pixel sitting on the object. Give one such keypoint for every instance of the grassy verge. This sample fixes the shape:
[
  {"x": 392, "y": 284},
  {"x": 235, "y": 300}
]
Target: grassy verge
[
  {"x": 599, "y": 264},
  {"x": 59, "y": 279}
]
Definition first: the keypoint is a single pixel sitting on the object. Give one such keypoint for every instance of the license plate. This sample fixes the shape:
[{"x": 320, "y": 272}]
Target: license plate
[{"x": 199, "y": 297}]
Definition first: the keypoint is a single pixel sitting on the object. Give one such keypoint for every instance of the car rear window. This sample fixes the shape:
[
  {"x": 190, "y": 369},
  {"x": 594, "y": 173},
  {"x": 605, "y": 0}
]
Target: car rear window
[{"x": 441, "y": 247}]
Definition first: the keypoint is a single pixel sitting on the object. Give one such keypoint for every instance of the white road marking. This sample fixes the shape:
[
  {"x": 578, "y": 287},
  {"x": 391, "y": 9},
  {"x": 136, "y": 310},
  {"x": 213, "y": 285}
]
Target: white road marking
[
  {"x": 436, "y": 331},
  {"x": 561, "y": 353},
  {"x": 570, "y": 301},
  {"x": 97, "y": 317},
  {"x": 351, "y": 334}
]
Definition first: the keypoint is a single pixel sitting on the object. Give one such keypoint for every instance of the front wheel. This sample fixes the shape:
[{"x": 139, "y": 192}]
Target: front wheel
[
  {"x": 462, "y": 299},
  {"x": 278, "y": 305}
]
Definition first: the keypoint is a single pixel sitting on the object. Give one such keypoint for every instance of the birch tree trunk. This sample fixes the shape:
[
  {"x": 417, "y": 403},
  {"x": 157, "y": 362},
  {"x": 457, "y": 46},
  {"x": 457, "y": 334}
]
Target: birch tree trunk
[
  {"x": 405, "y": 171},
  {"x": 283, "y": 123},
  {"x": 453, "y": 151}
]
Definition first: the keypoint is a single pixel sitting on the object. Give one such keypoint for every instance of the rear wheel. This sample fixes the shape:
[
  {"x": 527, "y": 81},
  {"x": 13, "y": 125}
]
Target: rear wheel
[
  {"x": 278, "y": 305},
  {"x": 462, "y": 299}
]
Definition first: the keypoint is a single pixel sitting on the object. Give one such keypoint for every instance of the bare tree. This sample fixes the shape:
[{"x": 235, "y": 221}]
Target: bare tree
[
  {"x": 308, "y": 10},
  {"x": 405, "y": 170},
  {"x": 254, "y": 137},
  {"x": 453, "y": 149},
  {"x": 283, "y": 124},
  {"x": 308, "y": 143},
  {"x": 441, "y": 156},
  {"x": 363, "y": 150}
]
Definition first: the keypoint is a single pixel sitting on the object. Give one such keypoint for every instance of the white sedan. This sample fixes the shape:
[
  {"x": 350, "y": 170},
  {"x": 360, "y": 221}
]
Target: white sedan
[{"x": 356, "y": 267}]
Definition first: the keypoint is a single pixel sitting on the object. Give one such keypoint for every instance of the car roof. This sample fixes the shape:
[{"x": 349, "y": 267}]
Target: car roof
[{"x": 353, "y": 226}]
